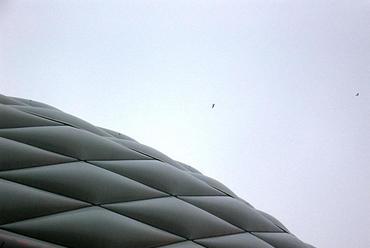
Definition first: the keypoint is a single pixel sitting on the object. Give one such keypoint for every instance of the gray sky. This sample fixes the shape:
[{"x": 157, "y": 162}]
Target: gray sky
[{"x": 287, "y": 132}]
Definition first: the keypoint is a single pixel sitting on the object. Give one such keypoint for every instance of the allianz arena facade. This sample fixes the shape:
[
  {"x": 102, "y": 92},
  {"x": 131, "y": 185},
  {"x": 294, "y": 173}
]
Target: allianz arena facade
[{"x": 67, "y": 183}]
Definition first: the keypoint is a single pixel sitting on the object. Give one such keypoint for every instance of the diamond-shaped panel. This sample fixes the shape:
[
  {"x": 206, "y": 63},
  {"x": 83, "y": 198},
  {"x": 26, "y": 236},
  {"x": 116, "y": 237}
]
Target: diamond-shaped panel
[
  {"x": 59, "y": 116},
  {"x": 93, "y": 227},
  {"x": 12, "y": 118},
  {"x": 83, "y": 181},
  {"x": 13, "y": 240},
  {"x": 175, "y": 216},
  {"x": 234, "y": 211},
  {"x": 19, "y": 202},
  {"x": 161, "y": 176},
  {"x": 15, "y": 155},
  {"x": 243, "y": 240},
  {"x": 71, "y": 142},
  {"x": 283, "y": 240}
]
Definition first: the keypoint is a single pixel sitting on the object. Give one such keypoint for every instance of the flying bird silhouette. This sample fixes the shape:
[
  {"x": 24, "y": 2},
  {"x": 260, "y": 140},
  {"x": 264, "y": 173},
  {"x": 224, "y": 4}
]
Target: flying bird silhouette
[
  {"x": 357, "y": 94},
  {"x": 213, "y": 105}
]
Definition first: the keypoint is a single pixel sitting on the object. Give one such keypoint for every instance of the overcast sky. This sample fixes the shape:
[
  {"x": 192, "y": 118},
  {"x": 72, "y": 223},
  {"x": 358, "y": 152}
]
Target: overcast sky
[{"x": 287, "y": 132}]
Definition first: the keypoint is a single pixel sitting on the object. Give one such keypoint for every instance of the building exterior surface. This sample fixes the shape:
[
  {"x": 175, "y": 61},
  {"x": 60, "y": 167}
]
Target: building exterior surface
[{"x": 67, "y": 183}]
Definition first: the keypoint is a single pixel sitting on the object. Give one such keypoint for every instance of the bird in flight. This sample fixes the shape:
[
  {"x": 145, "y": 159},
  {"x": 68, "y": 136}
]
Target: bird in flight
[
  {"x": 357, "y": 94},
  {"x": 213, "y": 105}
]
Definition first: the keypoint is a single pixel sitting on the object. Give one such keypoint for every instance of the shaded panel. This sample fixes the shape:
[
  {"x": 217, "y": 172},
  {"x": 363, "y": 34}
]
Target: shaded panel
[
  {"x": 83, "y": 181},
  {"x": 243, "y": 240},
  {"x": 148, "y": 151},
  {"x": 94, "y": 228},
  {"x": 60, "y": 116},
  {"x": 71, "y": 142},
  {"x": 13, "y": 240},
  {"x": 33, "y": 103},
  {"x": 214, "y": 183},
  {"x": 9, "y": 100},
  {"x": 273, "y": 220},
  {"x": 18, "y": 202},
  {"x": 234, "y": 211},
  {"x": 160, "y": 175},
  {"x": 175, "y": 216},
  {"x": 12, "y": 118},
  {"x": 15, "y": 155},
  {"x": 281, "y": 240}
]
